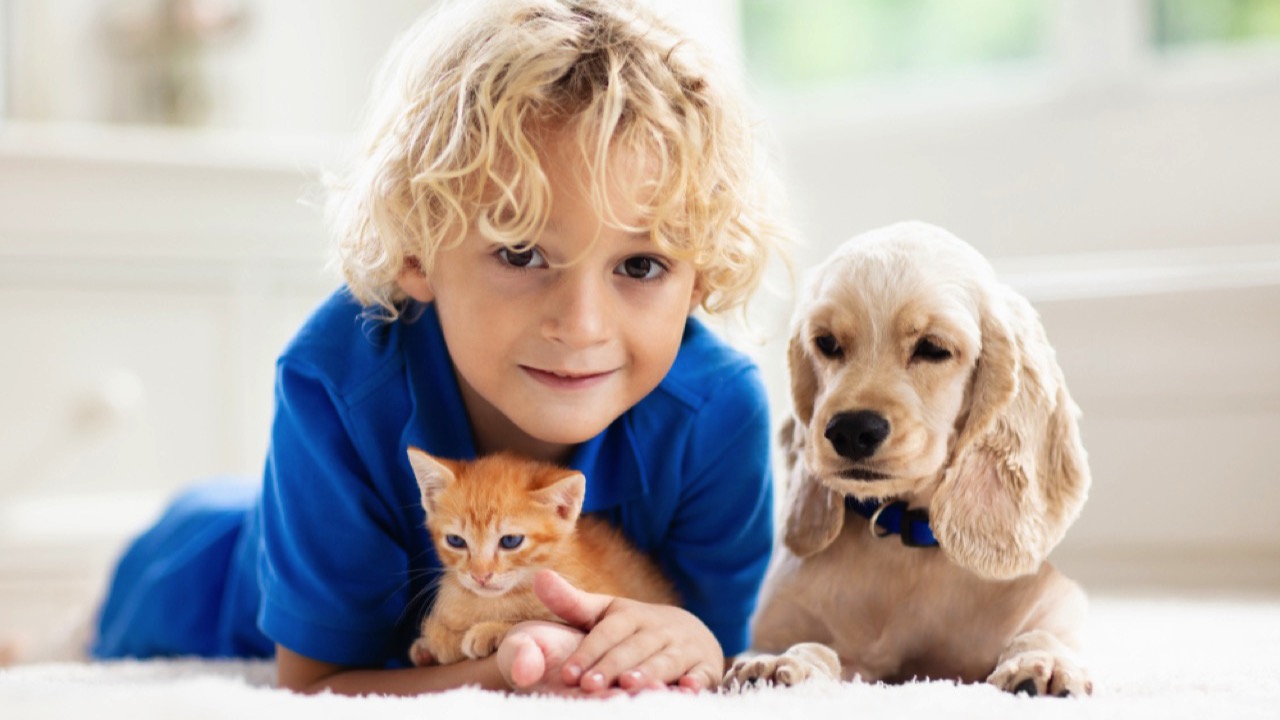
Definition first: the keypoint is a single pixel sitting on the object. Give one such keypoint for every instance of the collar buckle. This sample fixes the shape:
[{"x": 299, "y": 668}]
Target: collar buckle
[{"x": 894, "y": 517}]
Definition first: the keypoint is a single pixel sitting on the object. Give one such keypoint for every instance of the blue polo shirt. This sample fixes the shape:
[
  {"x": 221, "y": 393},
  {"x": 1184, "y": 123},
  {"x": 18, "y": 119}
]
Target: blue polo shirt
[{"x": 332, "y": 560}]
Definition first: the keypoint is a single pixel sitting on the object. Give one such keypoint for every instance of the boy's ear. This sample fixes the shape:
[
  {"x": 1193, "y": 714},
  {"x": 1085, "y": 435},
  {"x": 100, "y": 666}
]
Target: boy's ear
[
  {"x": 699, "y": 294},
  {"x": 433, "y": 475},
  {"x": 413, "y": 281}
]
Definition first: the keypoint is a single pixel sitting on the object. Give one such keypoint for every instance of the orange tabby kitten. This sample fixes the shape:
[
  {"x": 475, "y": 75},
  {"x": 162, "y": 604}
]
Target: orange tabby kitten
[{"x": 498, "y": 520}]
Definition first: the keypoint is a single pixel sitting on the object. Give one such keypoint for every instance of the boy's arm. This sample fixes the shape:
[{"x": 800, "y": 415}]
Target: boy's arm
[
  {"x": 719, "y": 542},
  {"x": 530, "y": 659},
  {"x": 305, "y": 675}
]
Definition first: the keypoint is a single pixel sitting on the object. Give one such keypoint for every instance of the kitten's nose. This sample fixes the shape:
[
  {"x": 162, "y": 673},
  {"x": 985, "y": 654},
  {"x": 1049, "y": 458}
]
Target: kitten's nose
[
  {"x": 482, "y": 579},
  {"x": 857, "y": 435}
]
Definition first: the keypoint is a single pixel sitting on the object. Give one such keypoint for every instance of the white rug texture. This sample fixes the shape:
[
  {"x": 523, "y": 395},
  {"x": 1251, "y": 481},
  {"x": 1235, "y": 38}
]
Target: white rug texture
[{"x": 1149, "y": 658}]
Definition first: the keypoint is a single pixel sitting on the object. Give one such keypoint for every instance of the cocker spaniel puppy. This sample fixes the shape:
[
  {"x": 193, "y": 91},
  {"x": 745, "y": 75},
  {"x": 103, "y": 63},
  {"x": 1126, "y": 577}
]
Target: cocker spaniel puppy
[{"x": 934, "y": 461}]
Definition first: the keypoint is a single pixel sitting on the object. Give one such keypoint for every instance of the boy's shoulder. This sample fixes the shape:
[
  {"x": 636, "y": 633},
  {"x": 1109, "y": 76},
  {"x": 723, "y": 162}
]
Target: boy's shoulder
[
  {"x": 342, "y": 345},
  {"x": 708, "y": 370}
]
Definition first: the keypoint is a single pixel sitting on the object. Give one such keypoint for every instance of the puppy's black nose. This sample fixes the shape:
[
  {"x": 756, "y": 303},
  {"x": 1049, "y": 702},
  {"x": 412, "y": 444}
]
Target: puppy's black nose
[{"x": 857, "y": 435}]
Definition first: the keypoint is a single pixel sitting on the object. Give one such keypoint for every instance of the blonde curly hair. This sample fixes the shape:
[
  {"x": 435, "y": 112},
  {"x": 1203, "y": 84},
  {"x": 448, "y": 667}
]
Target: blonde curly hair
[{"x": 451, "y": 139}]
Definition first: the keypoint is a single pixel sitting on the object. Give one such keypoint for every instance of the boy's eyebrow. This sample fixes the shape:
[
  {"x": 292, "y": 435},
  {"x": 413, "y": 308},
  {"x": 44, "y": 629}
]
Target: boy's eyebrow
[{"x": 551, "y": 226}]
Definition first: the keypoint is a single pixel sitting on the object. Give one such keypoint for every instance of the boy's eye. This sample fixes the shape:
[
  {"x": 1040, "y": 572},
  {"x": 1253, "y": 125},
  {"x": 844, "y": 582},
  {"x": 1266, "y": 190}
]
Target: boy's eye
[
  {"x": 511, "y": 542},
  {"x": 528, "y": 258},
  {"x": 455, "y": 541},
  {"x": 641, "y": 267}
]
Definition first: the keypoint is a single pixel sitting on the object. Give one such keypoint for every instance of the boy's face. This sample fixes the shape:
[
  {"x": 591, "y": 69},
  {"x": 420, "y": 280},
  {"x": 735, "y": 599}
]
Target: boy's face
[{"x": 552, "y": 344}]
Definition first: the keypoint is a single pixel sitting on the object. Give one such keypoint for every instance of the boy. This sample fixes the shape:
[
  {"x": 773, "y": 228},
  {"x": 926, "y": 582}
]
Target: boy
[{"x": 548, "y": 189}]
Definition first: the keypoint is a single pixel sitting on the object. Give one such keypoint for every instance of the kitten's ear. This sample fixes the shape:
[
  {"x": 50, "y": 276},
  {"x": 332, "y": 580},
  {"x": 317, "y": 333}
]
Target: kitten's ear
[
  {"x": 564, "y": 495},
  {"x": 434, "y": 476}
]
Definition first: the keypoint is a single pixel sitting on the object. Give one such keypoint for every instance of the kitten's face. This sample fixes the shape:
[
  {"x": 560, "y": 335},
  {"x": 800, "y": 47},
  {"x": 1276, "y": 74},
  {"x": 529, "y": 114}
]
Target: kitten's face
[
  {"x": 488, "y": 552},
  {"x": 498, "y": 520}
]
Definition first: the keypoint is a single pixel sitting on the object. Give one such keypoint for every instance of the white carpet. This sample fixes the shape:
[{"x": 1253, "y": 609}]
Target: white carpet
[{"x": 1150, "y": 659}]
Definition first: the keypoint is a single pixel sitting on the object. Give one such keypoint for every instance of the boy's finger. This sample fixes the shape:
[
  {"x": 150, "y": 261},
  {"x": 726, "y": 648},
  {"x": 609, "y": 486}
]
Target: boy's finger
[
  {"x": 701, "y": 677},
  {"x": 609, "y": 633},
  {"x": 580, "y": 609},
  {"x": 526, "y": 660},
  {"x": 615, "y": 658},
  {"x": 660, "y": 667},
  {"x": 529, "y": 665}
]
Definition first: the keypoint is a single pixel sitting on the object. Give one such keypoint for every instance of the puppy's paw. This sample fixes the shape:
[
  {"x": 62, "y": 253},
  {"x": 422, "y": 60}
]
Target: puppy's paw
[
  {"x": 1040, "y": 672},
  {"x": 483, "y": 639},
  {"x": 801, "y": 663}
]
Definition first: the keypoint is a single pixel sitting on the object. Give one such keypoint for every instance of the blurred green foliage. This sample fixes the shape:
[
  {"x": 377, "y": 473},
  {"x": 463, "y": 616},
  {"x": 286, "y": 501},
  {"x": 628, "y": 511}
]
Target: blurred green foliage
[
  {"x": 1196, "y": 22},
  {"x": 803, "y": 43},
  {"x": 797, "y": 43}
]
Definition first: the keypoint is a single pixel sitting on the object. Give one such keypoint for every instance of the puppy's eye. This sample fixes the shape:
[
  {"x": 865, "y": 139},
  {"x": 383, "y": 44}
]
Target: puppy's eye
[
  {"x": 828, "y": 346},
  {"x": 929, "y": 351}
]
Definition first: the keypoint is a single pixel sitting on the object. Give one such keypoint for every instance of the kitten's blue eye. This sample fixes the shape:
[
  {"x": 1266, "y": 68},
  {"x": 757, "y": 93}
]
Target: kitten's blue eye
[
  {"x": 511, "y": 542},
  {"x": 529, "y": 258},
  {"x": 455, "y": 541}
]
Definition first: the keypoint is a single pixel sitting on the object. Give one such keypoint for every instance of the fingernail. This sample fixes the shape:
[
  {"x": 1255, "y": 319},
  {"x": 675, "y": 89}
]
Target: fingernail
[
  {"x": 574, "y": 671},
  {"x": 632, "y": 678},
  {"x": 596, "y": 679}
]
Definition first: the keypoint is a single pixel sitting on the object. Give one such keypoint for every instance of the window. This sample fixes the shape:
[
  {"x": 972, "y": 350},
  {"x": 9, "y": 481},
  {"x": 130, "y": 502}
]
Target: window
[{"x": 803, "y": 46}]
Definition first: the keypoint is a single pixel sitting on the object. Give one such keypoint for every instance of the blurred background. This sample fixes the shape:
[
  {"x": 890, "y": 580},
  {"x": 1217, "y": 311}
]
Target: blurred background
[{"x": 1118, "y": 160}]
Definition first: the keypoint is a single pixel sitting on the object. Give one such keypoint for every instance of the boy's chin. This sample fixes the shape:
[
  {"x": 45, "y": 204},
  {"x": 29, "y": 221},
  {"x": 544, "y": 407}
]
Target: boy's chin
[{"x": 568, "y": 428}]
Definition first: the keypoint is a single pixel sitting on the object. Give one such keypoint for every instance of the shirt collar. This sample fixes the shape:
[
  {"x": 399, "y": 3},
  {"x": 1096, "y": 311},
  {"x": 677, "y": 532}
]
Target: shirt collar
[{"x": 438, "y": 421}]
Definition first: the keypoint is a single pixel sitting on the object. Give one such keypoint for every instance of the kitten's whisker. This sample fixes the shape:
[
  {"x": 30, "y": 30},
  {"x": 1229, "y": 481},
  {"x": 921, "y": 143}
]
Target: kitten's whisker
[{"x": 418, "y": 599}]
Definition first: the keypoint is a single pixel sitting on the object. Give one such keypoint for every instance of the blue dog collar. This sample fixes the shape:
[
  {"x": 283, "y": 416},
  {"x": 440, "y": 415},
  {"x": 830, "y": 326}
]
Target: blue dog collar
[{"x": 896, "y": 519}]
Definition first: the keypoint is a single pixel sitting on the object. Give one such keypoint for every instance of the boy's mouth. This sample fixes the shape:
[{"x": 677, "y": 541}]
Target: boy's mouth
[{"x": 566, "y": 380}]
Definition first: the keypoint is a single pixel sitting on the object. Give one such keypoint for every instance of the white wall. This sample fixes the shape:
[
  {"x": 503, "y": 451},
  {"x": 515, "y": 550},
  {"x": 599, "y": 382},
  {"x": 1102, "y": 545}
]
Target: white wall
[
  {"x": 295, "y": 66},
  {"x": 146, "y": 283}
]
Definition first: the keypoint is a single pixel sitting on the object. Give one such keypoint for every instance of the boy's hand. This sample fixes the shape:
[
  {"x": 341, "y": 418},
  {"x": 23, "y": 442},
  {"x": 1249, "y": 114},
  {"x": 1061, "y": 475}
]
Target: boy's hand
[
  {"x": 633, "y": 644},
  {"x": 532, "y": 653}
]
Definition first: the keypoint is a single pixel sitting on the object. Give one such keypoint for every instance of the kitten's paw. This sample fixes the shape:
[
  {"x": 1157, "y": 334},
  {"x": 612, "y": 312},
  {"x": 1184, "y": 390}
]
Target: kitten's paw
[
  {"x": 483, "y": 639},
  {"x": 801, "y": 663},
  {"x": 420, "y": 653}
]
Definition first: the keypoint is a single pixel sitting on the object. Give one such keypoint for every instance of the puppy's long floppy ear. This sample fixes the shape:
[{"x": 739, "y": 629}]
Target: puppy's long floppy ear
[
  {"x": 815, "y": 513},
  {"x": 804, "y": 386},
  {"x": 1018, "y": 474}
]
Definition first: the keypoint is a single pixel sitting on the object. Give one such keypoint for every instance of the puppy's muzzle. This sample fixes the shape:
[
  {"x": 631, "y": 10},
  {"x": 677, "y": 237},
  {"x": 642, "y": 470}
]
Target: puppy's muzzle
[{"x": 857, "y": 435}]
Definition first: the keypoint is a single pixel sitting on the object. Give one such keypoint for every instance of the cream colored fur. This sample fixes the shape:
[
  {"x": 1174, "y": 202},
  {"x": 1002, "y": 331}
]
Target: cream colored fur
[{"x": 985, "y": 439}]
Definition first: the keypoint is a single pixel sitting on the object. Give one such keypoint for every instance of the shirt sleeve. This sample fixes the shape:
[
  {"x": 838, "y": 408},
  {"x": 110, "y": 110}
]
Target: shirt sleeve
[
  {"x": 722, "y": 533},
  {"x": 333, "y": 573}
]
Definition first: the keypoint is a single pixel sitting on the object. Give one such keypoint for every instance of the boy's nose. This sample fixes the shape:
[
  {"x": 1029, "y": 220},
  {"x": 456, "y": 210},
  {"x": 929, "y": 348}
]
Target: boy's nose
[{"x": 578, "y": 313}]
